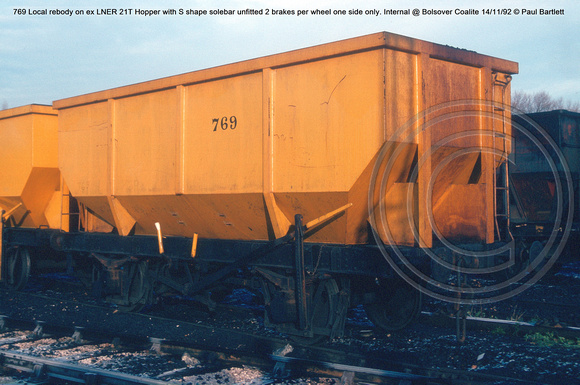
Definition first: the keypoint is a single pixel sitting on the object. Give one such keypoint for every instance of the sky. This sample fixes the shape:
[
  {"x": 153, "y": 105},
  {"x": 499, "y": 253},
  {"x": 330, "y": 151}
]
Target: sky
[{"x": 50, "y": 57}]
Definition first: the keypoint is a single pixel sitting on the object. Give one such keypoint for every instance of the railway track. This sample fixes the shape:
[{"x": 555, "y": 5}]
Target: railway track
[
  {"x": 45, "y": 365},
  {"x": 44, "y": 355},
  {"x": 237, "y": 340},
  {"x": 342, "y": 360}
]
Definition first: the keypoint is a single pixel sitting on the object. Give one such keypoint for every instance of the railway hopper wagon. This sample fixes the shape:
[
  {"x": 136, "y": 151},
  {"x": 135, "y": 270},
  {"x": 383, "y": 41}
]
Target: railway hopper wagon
[
  {"x": 539, "y": 207},
  {"x": 283, "y": 174},
  {"x": 31, "y": 189}
]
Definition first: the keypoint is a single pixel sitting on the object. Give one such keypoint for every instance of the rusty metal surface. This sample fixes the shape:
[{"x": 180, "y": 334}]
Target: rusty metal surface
[{"x": 234, "y": 152}]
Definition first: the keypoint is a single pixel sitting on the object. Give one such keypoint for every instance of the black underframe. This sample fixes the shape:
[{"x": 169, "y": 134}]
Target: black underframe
[{"x": 365, "y": 260}]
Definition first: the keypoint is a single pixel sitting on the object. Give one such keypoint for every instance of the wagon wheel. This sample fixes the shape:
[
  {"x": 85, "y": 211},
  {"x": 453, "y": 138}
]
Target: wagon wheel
[
  {"x": 136, "y": 295},
  {"x": 520, "y": 255},
  {"x": 16, "y": 267},
  {"x": 322, "y": 314},
  {"x": 397, "y": 304}
]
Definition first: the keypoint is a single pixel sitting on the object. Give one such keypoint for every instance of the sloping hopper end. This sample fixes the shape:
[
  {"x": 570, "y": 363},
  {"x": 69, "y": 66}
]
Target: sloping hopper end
[
  {"x": 39, "y": 202},
  {"x": 459, "y": 206}
]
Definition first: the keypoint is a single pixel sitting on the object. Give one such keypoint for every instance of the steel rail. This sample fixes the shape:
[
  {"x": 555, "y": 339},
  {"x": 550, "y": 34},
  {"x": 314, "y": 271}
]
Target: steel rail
[
  {"x": 81, "y": 374},
  {"x": 350, "y": 371},
  {"x": 507, "y": 325}
]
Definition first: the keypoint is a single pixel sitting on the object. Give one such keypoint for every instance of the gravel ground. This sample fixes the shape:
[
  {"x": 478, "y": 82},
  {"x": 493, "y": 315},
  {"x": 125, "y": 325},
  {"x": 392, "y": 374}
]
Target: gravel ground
[
  {"x": 540, "y": 357},
  {"x": 481, "y": 352}
]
